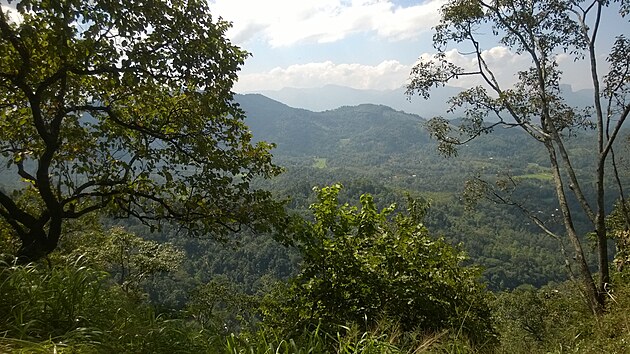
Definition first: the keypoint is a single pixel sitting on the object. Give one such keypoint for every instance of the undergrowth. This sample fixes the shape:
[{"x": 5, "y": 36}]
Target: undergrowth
[{"x": 73, "y": 308}]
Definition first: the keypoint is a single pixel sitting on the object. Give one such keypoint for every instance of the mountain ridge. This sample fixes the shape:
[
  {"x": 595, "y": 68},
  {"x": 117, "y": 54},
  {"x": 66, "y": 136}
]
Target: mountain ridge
[
  {"x": 330, "y": 97},
  {"x": 301, "y": 132}
]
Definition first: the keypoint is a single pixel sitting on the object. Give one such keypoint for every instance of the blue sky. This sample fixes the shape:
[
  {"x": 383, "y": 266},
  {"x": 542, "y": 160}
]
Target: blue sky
[
  {"x": 364, "y": 44},
  {"x": 311, "y": 43}
]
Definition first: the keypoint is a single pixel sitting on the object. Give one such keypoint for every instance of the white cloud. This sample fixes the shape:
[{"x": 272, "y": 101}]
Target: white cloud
[
  {"x": 388, "y": 74},
  {"x": 504, "y": 64},
  {"x": 287, "y": 22},
  {"x": 11, "y": 12},
  {"x": 392, "y": 74}
]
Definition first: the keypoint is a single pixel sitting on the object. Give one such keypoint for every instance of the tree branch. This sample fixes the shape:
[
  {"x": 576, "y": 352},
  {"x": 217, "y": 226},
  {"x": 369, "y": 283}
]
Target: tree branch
[{"x": 15, "y": 212}]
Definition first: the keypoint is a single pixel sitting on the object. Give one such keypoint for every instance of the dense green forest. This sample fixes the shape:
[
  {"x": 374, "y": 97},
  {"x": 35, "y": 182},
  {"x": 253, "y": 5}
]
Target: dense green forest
[
  {"x": 387, "y": 153},
  {"x": 146, "y": 208}
]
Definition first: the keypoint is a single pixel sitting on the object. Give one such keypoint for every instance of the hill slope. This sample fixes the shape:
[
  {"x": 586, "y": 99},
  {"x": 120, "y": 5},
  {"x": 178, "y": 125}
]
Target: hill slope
[
  {"x": 299, "y": 132},
  {"x": 376, "y": 149}
]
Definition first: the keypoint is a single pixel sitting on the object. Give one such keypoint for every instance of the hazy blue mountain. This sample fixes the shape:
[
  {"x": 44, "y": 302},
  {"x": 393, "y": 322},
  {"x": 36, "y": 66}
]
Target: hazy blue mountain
[
  {"x": 333, "y": 96},
  {"x": 577, "y": 98},
  {"x": 366, "y": 128}
]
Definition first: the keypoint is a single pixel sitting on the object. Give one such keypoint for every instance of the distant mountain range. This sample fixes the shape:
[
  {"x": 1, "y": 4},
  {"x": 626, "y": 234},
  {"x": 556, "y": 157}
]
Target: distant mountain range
[
  {"x": 332, "y": 96},
  {"x": 365, "y": 128}
]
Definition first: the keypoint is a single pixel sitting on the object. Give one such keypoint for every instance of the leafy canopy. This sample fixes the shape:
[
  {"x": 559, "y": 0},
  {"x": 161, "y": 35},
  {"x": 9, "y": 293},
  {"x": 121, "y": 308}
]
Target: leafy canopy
[
  {"x": 124, "y": 107},
  {"x": 361, "y": 265},
  {"x": 129, "y": 258}
]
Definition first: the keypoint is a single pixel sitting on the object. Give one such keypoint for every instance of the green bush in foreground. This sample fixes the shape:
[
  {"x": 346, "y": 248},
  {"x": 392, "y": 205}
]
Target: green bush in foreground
[{"x": 361, "y": 265}]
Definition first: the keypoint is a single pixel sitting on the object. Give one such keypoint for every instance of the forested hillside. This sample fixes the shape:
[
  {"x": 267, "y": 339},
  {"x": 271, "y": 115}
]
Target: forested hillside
[{"x": 388, "y": 153}]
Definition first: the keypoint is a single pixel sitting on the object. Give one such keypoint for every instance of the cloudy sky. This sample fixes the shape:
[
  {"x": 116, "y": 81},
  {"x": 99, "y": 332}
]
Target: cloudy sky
[
  {"x": 364, "y": 44},
  {"x": 311, "y": 43}
]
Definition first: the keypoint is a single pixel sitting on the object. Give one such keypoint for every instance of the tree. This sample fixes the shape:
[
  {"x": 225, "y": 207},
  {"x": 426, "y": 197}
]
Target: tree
[
  {"x": 129, "y": 258},
  {"x": 124, "y": 108},
  {"x": 618, "y": 224},
  {"x": 540, "y": 30},
  {"x": 220, "y": 305},
  {"x": 359, "y": 267}
]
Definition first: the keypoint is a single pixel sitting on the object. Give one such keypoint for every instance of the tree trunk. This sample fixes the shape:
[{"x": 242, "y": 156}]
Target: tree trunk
[
  {"x": 593, "y": 296},
  {"x": 34, "y": 249},
  {"x": 600, "y": 229},
  {"x": 38, "y": 243}
]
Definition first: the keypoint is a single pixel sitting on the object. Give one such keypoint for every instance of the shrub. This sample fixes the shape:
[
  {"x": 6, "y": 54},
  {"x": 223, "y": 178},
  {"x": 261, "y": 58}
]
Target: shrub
[{"x": 361, "y": 265}]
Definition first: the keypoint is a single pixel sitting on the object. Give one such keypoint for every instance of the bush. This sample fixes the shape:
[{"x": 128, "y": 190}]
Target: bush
[
  {"x": 556, "y": 319},
  {"x": 360, "y": 266}
]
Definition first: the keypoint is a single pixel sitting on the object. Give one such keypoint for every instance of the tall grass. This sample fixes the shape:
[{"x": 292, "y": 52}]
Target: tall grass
[
  {"x": 48, "y": 303},
  {"x": 385, "y": 339},
  {"x": 74, "y": 308}
]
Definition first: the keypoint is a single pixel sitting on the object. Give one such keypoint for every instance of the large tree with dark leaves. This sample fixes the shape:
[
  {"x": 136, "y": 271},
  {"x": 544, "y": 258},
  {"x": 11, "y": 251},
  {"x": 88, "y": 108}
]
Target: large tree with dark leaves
[{"x": 124, "y": 107}]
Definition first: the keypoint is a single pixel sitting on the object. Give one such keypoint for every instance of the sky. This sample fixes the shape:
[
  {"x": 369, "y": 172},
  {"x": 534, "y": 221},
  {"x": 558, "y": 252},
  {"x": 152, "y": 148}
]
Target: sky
[{"x": 363, "y": 44}]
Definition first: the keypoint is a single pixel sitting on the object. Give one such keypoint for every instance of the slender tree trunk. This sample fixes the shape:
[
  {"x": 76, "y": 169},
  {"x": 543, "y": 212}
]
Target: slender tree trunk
[
  {"x": 600, "y": 225},
  {"x": 594, "y": 298},
  {"x": 600, "y": 229}
]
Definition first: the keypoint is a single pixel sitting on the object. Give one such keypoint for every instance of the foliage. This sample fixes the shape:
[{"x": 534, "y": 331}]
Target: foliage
[
  {"x": 556, "y": 319},
  {"x": 618, "y": 222},
  {"x": 39, "y": 303},
  {"x": 72, "y": 308},
  {"x": 542, "y": 31},
  {"x": 385, "y": 338},
  {"x": 359, "y": 267},
  {"x": 128, "y": 109},
  {"x": 511, "y": 250},
  {"x": 221, "y": 307},
  {"x": 127, "y": 257}
]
